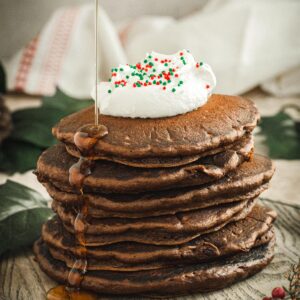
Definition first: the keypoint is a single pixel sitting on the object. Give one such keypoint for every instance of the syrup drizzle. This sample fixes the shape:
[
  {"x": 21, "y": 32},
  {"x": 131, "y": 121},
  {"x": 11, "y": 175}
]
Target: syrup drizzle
[{"x": 85, "y": 140}]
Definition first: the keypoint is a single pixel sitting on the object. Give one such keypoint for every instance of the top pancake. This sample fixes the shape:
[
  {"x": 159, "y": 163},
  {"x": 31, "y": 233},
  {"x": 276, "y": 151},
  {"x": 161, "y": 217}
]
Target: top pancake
[{"x": 223, "y": 120}]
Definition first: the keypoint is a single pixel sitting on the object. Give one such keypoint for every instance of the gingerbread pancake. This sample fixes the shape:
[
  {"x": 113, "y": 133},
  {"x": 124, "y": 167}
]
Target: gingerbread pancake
[
  {"x": 109, "y": 177},
  {"x": 94, "y": 212},
  {"x": 181, "y": 222},
  {"x": 245, "y": 144},
  {"x": 221, "y": 121},
  {"x": 248, "y": 181},
  {"x": 179, "y": 280},
  {"x": 178, "y": 232},
  {"x": 235, "y": 237}
]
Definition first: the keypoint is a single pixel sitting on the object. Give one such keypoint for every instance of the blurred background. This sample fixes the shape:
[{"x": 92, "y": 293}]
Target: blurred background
[{"x": 16, "y": 13}]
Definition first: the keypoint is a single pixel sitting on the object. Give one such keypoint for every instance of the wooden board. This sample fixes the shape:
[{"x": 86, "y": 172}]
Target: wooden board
[{"x": 21, "y": 278}]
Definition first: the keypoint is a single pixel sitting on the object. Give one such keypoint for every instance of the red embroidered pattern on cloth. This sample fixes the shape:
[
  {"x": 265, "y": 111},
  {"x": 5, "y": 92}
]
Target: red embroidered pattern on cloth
[
  {"x": 25, "y": 65},
  {"x": 56, "y": 44}
]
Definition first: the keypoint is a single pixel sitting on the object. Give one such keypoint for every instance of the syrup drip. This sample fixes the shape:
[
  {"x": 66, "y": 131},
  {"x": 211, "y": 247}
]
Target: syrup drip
[
  {"x": 85, "y": 139},
  {"x": 61, "y": 292}
]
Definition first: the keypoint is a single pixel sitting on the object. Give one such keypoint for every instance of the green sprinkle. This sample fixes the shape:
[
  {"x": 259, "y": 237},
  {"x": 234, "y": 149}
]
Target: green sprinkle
[
  {"x": 127, "y": 76},
  {"x": 166, "y": 65},
  {"x": 121, "y": 69},
  {"x": 154, "y": 81},
  {"x": 109, "y": 79},
  {"x": 109, "y": 91},
  {"x": 149, "y": 56},
  {"x": 145, "y": 61},
  {"x": 201, "y": 64},
  {"x": 154, "y": 70},
  {"x": 164, "y": 83},
  {"x": 151, "y": 64},
  {"x": 173, "y": 90},
  {"x": 169, "y": 80},
  {"x": 181, "y": 82}
]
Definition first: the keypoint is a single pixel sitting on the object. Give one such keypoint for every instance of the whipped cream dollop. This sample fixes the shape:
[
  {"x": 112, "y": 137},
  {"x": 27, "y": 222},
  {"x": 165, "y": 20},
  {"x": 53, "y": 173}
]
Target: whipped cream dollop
[{"x": 159, "y": 86}]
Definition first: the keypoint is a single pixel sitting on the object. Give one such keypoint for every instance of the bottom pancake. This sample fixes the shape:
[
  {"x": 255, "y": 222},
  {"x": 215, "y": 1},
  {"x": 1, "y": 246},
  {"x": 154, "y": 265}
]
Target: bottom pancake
[
  {"x": 235, "y": 237},
  {"x": 179, "y": 280}
]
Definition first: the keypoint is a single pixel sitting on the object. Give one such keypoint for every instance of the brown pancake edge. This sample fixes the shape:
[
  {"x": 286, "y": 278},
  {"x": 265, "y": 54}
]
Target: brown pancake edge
[
  {"x": 244, "y": 145},
  {"x": 108, "y": 177},
  {"x": 221, "y": 121},
  {"x": 250, "y": 178},
  {"x": 163, "y": 236},
  {"x": 94, "y": 264},
  {"x": 254, "y": 230},
  {"x": 95, "y": 212},
  {"x": 181, "y": 222},
  {"x": 201, "y": 277}
]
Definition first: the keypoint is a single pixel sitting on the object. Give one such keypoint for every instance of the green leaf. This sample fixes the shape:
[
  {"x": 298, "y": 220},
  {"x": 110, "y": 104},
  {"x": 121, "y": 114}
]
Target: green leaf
[
  {"x": 17, "y": 156},
  {"x": 32, "y": 131},
  {"x": 22, "y": 213},
  {"x": 282, "y": 136},
  {"x": 66, "y": 103}
]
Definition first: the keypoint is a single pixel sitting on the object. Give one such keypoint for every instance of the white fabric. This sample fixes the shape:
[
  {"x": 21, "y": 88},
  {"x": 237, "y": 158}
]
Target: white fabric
[{"x": 247, "y": 43}]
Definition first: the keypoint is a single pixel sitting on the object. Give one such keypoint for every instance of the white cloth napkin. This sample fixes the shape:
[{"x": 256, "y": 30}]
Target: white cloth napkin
[{"x": 247, "y": 43}]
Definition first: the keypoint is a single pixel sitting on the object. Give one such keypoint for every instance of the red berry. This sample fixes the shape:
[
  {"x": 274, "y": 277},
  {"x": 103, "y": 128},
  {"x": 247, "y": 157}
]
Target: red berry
[{"x": 278, "y": 292}]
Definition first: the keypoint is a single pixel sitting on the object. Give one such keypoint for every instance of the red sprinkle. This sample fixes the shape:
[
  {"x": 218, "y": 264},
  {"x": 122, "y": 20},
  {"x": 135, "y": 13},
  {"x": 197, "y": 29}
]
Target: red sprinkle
[
  {"x": 181, "y": 53},
  {"x": 156, "y": 59},
  {"x": 207, "y": 86}
]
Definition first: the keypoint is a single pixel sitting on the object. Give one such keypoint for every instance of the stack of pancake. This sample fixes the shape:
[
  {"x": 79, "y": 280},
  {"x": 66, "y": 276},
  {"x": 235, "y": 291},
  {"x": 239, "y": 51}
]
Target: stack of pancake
[
  {"x": 172, "y": 202},
  {"x": 5, "y": 121}
]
